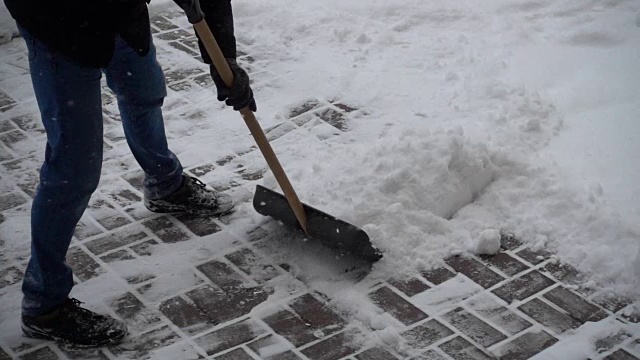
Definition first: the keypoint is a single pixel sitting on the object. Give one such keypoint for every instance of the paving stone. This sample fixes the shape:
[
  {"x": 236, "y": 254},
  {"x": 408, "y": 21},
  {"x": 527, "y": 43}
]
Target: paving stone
[
  {"x": 141, "y": 345},
  {"x": 427, "y": 334},
  {"x": 28, "y": 182},
  {"x": 106, "y": 215},
  {"x": 125, "y": 197},
  {"x": 534, "y": 257},
  {"x": 199, "y": 225},
  {"x": 333, "y": 348},
  {"x": 546, "y": 315},
  {"x": 23, "y": 164},
  {"x": 317, "y": 314},
  {"x": 287, "y": 355},
  {"x": 30, "y": 123},
  {"x": 247, "y": 261},
  {"x": 205, "y": 81},
  {"x": 429, "y": 355},
  {"x": 6, "y": 125},
  {"x": 11, "y": 200},
  {"x": 271, "y": 348},
  {"x": 312, "y": 320},
  {"x": 6, "y": 102},
  {"x": 333, "y": 118},
  {"x": 631, "y": 314},
  {"x": 119, "y": 255},
  {"x": 565, "y": 273},
  {"x": 505, "y": 263},
  {"x": 223, "y": 306},
  {"x": 237, "y": 354},
  {"x": 136, "y": 179},
  {"x": 5, "y": 155},
  {"x": 438, "y": 275},
  {"x": 133, "y": 312},
  {"x": 302, "y": 108},
  {"x": 252, "y": 175},
  {"x": 411, "y": 286},
  {"x": 230, "y": 337},
  {"x": 375, "y": 354},
  {"x": 10, "y": 276},
  {"x": 202, "y": 169},
  {"x": 395, "y": 305},
  {"x": 174, "y": 35},
  {"x": 523, "y": 287},
  {"x": 144, "y": 248},
  {"x": 475, "y": 271},
  {"x": 74, "y": 353},
  {"x": 185, "y": 315},
  {"x": 276, "y": 132},
  {"x": 115, "y": 240},
  {"x": 461, "y": 349},
  {"x": 611, "y": 301},
  {"x": 290, "y": 326},
  {"x": 191, "y": 42},
  {"x": 222, "y": 275},
  {"x": 344, "y": 107},
  {"x": 178, "y": 45},
  {"x": 478, "y": 330},
  {"x": 17, "y": 141},
  {"x": 611, "y": 341},
  {"x": 225, "y": 160},
  {"x": 576, "y": 306},
  {"x": 166, "y": 230},
  {"x": 526, "y": 346},
  {"x": 162, "y": 23},
  {"x": 257, "y": 234},
  {"x": 140, "y": 278},
  {"x": 86, "y": 229},
  {"x": 84, "y": 267},
  {"x": 498, "y": 315},
  {"x": 620, "y": 354},
  {"x": 44, "y": 353},
  {"x": 509, "y": 242},
  {"x": 181, "y": 86}
]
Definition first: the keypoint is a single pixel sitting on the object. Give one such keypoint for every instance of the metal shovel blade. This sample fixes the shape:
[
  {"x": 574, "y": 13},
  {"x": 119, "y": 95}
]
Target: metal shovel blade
[{"x": 329, "y": 231}]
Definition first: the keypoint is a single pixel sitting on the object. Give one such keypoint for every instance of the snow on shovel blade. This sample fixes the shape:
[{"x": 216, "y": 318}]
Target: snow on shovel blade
[{"x": 329, "y": 231}]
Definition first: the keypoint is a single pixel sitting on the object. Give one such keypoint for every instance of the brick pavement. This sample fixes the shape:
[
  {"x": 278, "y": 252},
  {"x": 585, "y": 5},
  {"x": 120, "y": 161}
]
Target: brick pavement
[{"x": 510, "y": 306}]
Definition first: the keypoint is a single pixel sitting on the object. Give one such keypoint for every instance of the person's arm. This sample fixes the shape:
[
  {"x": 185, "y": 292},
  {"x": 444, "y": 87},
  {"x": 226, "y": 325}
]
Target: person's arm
[{"x": 219, "y": 17}]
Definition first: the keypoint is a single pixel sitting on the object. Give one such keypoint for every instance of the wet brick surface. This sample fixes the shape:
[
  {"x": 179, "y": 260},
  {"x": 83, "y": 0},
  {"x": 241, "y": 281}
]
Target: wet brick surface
[{"x": 511, "y": 305}]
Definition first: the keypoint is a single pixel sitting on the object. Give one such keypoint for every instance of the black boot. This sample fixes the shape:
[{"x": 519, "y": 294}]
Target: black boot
[
  {"x": 75, "y": 325},
  {"x": 192, "y": 197}
]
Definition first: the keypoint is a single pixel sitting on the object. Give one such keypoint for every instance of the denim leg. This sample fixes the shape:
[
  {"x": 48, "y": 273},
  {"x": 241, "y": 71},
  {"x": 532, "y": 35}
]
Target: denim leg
[
  {"x": 139, "y": 85},
  {"x": 68, "y": 96}
]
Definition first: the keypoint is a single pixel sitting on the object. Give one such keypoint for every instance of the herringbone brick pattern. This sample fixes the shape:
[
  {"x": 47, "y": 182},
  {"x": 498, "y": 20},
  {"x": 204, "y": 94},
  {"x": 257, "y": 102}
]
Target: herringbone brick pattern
[{"x": 510, "y": 306}]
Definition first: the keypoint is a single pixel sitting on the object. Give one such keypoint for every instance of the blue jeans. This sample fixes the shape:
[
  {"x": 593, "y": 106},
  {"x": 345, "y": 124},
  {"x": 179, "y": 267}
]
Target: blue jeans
[{"x": 69, "y": 98}]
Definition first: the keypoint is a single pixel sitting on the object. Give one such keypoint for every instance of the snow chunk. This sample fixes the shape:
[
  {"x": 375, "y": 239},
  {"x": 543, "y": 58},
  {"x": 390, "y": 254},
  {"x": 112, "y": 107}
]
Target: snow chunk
[{"x": 489, "y": 242}]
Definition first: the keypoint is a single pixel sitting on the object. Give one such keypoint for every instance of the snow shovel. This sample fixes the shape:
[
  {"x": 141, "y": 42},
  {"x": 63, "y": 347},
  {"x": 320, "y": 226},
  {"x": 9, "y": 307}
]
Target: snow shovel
[{"x": 329, "y": 231}]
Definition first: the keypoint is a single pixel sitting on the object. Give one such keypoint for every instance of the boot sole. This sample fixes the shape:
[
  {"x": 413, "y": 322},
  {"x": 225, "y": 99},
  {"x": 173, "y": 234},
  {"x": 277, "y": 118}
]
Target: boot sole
[
  {"x": 190, "y": 212},
  {"x": 44, "y": 336}
]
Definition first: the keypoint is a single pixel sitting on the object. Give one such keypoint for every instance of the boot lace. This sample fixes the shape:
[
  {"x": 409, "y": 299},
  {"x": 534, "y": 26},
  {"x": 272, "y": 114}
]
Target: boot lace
[{"x": 202, "y": 190}]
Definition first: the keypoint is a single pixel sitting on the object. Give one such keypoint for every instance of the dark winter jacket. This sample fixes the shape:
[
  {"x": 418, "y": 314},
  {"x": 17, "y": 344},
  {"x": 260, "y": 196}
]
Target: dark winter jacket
[{"x": 85, "y": 30}]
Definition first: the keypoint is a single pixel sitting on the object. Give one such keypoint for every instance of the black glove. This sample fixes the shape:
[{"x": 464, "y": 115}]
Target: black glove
[{"x": 240, "y": 94}]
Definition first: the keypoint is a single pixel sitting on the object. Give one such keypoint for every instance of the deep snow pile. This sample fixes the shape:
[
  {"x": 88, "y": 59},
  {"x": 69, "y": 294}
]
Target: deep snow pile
[{"x": 454, "y": 143}]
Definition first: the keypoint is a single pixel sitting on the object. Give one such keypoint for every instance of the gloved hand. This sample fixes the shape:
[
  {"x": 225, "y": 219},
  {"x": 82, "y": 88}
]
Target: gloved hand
[{"x": 240, "y": 94}]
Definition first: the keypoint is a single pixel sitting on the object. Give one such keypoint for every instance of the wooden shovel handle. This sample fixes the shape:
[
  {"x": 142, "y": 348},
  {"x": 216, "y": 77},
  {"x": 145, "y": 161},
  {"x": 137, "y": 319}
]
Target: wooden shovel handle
[{"x": 226, "y": 74}]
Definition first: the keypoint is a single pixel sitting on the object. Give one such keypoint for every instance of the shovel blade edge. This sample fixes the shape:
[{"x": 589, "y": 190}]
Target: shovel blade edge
[{"x": 328, "y": 230}]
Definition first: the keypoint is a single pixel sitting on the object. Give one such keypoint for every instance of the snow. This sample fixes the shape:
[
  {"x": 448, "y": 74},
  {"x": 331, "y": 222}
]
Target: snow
[
  {"x": 517, "y": 116},
  {"x": 583, "y": 342},
  {"x": 488, "y": 242}
]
